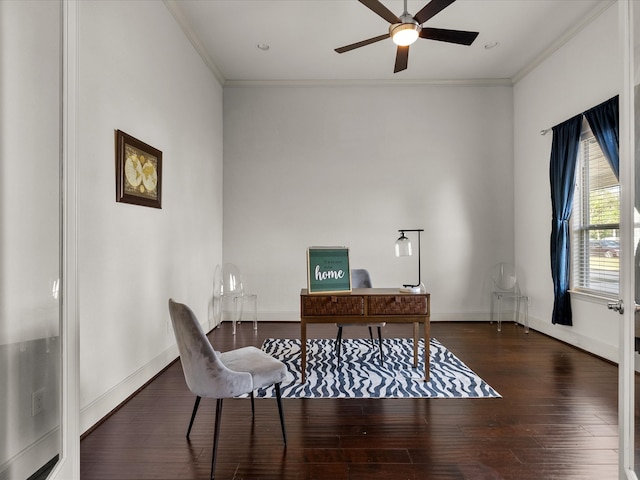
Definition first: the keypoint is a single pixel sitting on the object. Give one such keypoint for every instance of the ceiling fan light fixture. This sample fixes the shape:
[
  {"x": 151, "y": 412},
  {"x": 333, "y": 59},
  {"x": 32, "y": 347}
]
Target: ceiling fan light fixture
[
  {"x": 406, "y": 29},
  {"x": 404, "y": 34}
]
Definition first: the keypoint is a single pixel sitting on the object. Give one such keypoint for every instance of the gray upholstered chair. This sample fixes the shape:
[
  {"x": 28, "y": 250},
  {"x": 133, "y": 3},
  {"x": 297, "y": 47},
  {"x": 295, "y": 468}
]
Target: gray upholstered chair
[
  {"x": 360, "y": 278},
  {"x": 213, "y": 374}
]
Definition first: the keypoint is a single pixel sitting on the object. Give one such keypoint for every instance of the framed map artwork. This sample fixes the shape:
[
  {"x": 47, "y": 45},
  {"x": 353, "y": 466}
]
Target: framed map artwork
[{"x": 138, "y": 172}]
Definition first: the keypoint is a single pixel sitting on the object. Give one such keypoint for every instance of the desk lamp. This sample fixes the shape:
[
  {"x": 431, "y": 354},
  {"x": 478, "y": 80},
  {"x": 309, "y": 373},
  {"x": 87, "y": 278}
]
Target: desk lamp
[{"x": 403, "y": 249}]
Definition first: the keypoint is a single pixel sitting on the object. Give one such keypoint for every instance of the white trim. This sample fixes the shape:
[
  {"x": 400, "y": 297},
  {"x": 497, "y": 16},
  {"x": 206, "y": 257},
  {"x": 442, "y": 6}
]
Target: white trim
[
  {"x": 21, "y": 465},
  {"x": 174, "y": 8},
  {"x": 290, "y": 316},
  {"x": 95, "y": 411},
  {"x": 563, "y": 334},
  {"x": 68, "y": 467},
  {"x": 592, "y": 297},
  {"x": 461, "y": 317},
  {"x": 568, "y": 335},
  {"x": 486, "y": 82},
  {"x": 176, "y": 11},
  {"x": 294, "y": 316},
  {"x": 626, "y": 370},
  {"x": 600, "y": 8}
]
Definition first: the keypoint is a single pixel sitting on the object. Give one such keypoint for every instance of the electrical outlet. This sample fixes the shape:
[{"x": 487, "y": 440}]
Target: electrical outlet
[{"x": 37, "y": 402}]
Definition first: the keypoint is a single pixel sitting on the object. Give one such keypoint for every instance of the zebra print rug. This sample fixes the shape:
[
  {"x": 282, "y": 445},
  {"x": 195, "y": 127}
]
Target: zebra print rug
[{"x": 361, "y": 374}]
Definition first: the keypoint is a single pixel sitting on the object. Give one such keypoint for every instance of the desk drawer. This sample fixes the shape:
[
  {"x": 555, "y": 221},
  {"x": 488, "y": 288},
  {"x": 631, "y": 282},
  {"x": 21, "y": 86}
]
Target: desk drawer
[
  {"x": 332, "y": 305},
  {"x": 397, "y": 305}
]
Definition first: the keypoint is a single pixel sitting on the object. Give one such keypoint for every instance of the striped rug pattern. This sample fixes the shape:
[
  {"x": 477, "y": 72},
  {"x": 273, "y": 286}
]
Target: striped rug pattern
[{"x": 362, "y": 375}]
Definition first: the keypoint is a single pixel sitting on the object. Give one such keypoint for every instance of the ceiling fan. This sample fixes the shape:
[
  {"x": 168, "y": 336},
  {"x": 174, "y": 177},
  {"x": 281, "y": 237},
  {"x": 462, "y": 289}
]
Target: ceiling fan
[{"x": 405, "y": 30}]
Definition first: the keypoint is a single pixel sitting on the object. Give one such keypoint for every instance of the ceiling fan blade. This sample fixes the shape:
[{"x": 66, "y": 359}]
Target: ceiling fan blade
[
  {"x": 431, "y": 9},
  {"x": 452, "y": 36},
  {"x": 402, "y": 57},
  {"x": 369, "y": 41},
  {"x": 381, "y": 10}
]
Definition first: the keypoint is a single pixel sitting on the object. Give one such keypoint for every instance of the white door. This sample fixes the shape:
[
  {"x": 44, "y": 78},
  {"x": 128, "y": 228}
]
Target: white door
[
  {"x": 30, "y": 244},
  {"x": 629, "y": 233},
  {"x": 69, "y": 465}
]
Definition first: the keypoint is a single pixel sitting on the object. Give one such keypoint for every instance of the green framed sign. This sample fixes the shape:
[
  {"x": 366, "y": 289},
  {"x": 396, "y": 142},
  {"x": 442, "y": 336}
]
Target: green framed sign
[{"x": 328, "y": 270}]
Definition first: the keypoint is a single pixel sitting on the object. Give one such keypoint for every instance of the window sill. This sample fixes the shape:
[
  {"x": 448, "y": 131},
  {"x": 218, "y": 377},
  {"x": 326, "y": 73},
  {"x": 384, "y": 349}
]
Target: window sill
[{"x": 599, "y": 298}]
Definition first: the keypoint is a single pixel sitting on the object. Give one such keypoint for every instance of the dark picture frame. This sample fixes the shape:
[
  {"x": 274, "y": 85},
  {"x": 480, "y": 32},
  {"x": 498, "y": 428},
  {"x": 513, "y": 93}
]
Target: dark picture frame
[
  {"x": 138, "y": 172},
  {"x": 328, "y": 270}
]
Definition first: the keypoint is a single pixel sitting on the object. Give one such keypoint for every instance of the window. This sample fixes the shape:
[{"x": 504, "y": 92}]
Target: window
[{"x": 596, "y": 221}]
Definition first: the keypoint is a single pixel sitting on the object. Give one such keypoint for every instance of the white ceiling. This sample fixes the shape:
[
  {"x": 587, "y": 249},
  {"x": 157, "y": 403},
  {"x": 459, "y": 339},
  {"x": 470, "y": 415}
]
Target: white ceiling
[{"x": 302, "y": 36}]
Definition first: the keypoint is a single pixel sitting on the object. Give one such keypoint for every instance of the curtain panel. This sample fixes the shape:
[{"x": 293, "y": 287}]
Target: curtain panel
[
  {"x": 562, "y": 169},
  {"x": 604, "y": 122}
]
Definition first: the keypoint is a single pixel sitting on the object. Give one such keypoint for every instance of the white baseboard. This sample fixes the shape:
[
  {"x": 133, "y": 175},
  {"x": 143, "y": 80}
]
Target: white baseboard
[
  {"x": 565, "y": 334},
  {"x": 26, "y": 462},
  {"x": 96, "y": 410},
  {"x": 440, "y": 317},
  {"x": 279, "y": 316},
  {"x": 590, "y": 345},
  {"x": 461, "y": 317}
]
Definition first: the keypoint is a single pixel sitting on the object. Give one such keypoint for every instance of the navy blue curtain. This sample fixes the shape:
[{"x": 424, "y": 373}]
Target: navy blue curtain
[
  {"x": 562, "y": 172},
  {"x": 603, "y": 120}
]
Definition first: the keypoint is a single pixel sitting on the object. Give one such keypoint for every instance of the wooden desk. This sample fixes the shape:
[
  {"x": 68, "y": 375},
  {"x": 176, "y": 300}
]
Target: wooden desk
[{"x": 366, "y": 305}]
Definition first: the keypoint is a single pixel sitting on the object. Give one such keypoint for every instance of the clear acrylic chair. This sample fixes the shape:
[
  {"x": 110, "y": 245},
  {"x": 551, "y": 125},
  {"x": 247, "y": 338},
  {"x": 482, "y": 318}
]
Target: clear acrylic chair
[
  {"x": 505, "y": 287},
  {"x": 229, "y": 296}
]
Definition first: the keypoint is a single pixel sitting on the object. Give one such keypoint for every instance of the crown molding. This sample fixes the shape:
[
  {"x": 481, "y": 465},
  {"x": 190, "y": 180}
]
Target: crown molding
[
  {"x": 598, "y": 10},
  {"x": 174, "y": 8},
  {"x": 484, "y": 82},
  {"x": 176, "y": 11}
]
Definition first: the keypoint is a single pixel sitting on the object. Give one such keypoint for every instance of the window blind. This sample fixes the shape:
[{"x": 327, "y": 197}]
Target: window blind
[{"x": 595, "y": 221}]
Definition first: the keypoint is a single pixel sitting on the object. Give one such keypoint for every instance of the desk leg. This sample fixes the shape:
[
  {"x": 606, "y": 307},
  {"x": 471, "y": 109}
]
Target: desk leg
[
  {"x": 415, "y": 344},
  {"x": 427, "y": 357},
  {"x": 303, "y": 350}
]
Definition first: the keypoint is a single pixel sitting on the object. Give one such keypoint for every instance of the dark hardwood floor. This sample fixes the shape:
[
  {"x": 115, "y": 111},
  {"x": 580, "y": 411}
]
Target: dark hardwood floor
[{"x": 557, "y": 420}]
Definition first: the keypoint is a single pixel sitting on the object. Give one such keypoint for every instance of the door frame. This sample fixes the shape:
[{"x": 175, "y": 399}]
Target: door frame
[
  {"x": 69, "y": 464},
  {"x": 626, "y": 364}
]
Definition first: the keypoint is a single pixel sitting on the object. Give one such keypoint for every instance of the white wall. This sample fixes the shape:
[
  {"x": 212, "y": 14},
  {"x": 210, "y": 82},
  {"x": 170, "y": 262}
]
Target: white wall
[
  {"x": 350, "y": 165},
  {"x": 139, "y": 74},
  {"x": 580, "y": 75}
]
